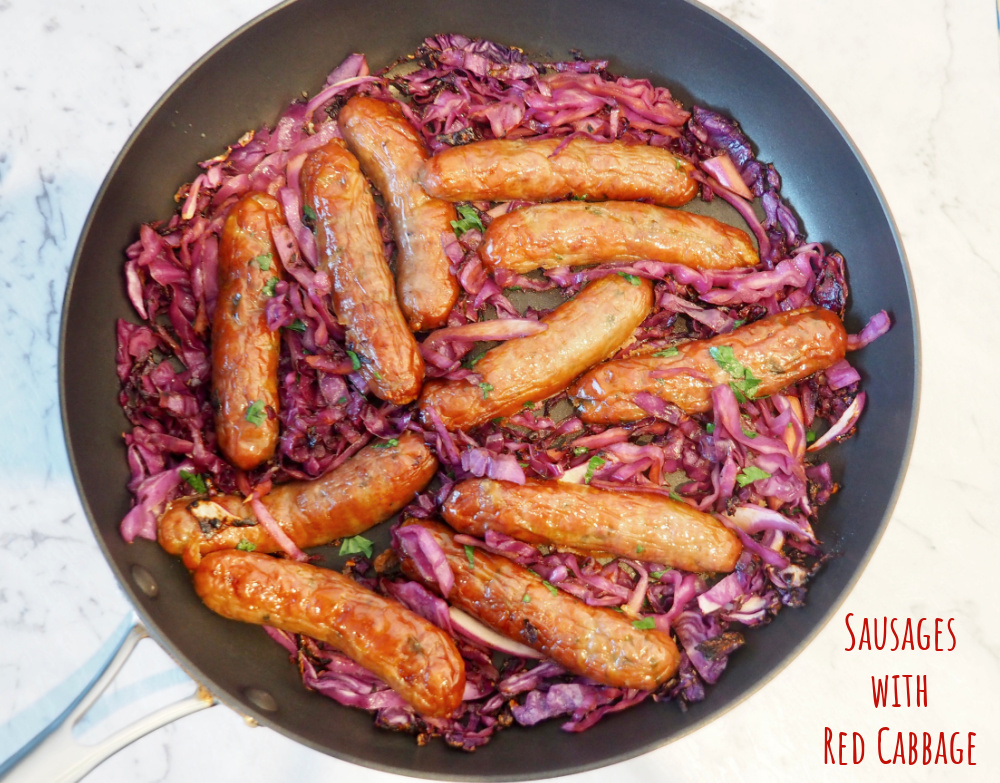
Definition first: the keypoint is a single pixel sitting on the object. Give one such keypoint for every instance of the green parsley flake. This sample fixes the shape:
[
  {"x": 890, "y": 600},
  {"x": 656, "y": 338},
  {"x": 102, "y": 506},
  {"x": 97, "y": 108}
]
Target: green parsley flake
[
  {"x": 645, "y": 624},
  {"x": 357, "y": 545},
  {"x": 309, "y": 212},
  {"x": 486, "y": 389},
  {"x": 468, "y": 220},
  {"x": 750, "y": 474},
  {"x": 671, "y": 351},
  {"x": 470, "y": 555},
  {"x": 195, "y": 480},
  {"x": 297, "y": 325},
  {"x": 710, "y": 428},
  {"x": 658, "y": 574},
  {"x": 550, "y": 587},
  {"x": 526, "y": 599},
  {"x": 594, "y": 463},
  {"x": 387, "y": 444},
  {"x": 246, "y": 546},
  {"x": 640, "y": 549},
  {"x": 744, "y": 384},
  {"x": 810, "y": 436},
  {"x": 578, "y": 450},
  {"x": 633, "y": 279},
  {"x": 268, "y": 288},
  {"x": 748, "y": 433},
  {"x": 256, "y": 414},
  {"x": 262, "y": 262},
  {"x": 675, "y": 496},
  {"x": 355, "y": 361}
]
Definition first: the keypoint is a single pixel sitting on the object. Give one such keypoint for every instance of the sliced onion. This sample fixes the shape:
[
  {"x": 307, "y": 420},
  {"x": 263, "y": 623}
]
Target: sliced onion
[
  {"x": 483, "y": 634},
  {"x": 723, "y": 169},
  {"x": 271, "y": 525},
  {"x": 843, "y": 425},
  {"x": 497, "y": 329}
]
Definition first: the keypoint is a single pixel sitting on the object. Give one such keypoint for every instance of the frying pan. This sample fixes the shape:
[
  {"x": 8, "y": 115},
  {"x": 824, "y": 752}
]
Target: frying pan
[{"x": 249, "y": 79}]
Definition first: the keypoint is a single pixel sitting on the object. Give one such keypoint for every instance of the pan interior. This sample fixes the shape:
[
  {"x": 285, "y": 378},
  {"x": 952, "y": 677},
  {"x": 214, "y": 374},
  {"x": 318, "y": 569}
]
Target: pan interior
[{"x": 248, "y": 80}]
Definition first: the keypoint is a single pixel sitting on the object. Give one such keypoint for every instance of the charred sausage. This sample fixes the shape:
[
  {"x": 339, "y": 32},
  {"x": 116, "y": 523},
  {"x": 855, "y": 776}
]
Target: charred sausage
[
  {"x": 595, "y": 642},
  {"x": 581, "y": 332},
  {"x": 573, "y": 233},
  {"x": 552, "y": 169},
  {"x": 244, "y": 350},
  {"x": 778, "y": 350},
  {"x": 637, "y": 525},
  {"x": 391, "y": 153},
  {"x": 364, "y": 293},
  {"x": 367, "y": 489},
  {"x": 412, "y": 656}
]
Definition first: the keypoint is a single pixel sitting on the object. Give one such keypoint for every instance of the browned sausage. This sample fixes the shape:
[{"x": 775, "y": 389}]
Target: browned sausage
[
  {"x": 364, "y": 293},
  {"x": 391, "y": 153},
  {"x": 412, "y": 656},
  {"x": 778, "y": 350},
  {"x": 638, "y": 525},
  {"x": 596, "y": 642},
  {"x": 244, "y": 350},
  {"x": 581, "y": 332},
  {"x": 367, "y": 489},
  {"x": 533, "y": 170},
  {"x": 574, "y": 233}
]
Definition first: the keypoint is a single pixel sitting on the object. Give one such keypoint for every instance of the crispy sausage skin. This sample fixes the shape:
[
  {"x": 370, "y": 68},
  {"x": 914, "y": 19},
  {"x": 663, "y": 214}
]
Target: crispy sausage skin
[
  {"x": 411, "y": 655},
  {"x": 574, "y": 233},
  {"x": 391, "y": 154},
  {"x": 244, "y": 350},
  {"x": 581, "y": 332},
  {"x": 638, "y": 525},
  {"x": 549, "y": 170},
  {"x": 364, "y": 293},
  {"x": 779, "y": 350},
  {"x": 367, "y": 489},
  {"x": 596, "y": 642}
]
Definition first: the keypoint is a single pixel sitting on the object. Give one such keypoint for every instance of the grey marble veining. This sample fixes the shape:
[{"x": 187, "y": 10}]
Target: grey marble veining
[{"x": 917, "y": 87}]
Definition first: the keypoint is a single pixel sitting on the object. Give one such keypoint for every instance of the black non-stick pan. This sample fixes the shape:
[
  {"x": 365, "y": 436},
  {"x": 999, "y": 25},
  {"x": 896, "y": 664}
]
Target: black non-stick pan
[{"x": 248, "y": 80}]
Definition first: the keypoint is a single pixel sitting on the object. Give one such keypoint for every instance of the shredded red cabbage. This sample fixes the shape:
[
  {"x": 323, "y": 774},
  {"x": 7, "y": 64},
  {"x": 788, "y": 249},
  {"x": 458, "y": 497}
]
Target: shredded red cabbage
[{"x": 744, "y": 462}]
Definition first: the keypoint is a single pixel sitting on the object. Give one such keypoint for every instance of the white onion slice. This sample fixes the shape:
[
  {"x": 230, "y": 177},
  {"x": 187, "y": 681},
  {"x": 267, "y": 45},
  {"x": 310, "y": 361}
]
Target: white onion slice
[{"x": 478, "y": 632}]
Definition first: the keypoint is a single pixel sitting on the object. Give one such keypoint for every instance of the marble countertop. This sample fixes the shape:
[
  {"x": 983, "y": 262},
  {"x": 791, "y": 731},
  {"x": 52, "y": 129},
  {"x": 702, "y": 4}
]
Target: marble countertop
[{"x": 917, "y": 87}]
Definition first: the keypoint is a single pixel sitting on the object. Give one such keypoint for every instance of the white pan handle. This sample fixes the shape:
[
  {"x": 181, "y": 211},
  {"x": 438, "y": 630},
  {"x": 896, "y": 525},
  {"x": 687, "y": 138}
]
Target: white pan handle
[{"x": 54, "y": 755}]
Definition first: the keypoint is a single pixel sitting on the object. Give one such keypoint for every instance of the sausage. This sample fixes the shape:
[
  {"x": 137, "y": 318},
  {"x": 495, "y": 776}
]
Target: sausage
[
  {"x": 364, "y": 293},
  {"x": 391, "y": 153},
  {"x": 553, "y": 169},
  {"x": 596, "y": 642},
  {"x": 367, "y": 489},
  {"x": 778, "y": 350},
  {"x": 581, "y": 332},
  {"x": 638, "y": 525},
  {"x": 412, "y": 656},
  {"x": 574, "y": 233},
  {"x": 244, "y": 350}
]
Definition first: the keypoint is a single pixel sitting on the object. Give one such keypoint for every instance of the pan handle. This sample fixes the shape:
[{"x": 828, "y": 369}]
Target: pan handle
[{"x": 54, "y": 755}]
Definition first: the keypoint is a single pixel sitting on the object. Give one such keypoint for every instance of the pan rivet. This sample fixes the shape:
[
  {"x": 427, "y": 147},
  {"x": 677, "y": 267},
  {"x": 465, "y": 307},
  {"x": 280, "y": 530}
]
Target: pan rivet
[
  {"x": 145, "y": 582},
  {"x": 261, "y": 699}
]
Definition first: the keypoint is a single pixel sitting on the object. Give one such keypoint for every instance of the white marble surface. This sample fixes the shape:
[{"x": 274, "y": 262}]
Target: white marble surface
[{"x": 916, "y": 85}]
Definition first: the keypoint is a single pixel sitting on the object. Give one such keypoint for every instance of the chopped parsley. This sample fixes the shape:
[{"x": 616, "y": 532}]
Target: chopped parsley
[
  {"x": 526, "y": 598},
  {"x": 355, "y": 361},
  {"x": 297, "y": 325},
  {"x": 387, "y": 443},
  {"x": 486, "y": 388},
  {"x": 262, "y": 262},
  {"x": 658, "y": 574},
  {"x": 357, "y": 545},
  {"x": 550, "y": 587},
  {"x": 470, "y": 556},
  {"x": 246, "y": 546},
  {"x": 310, "y": 213},
  {"x": 195, "y": 480},
  {"x": 750, "y": 474},
  {"x": 710, "y": 428},
  {"x": 594, "y": 463},
  {"x": 675, "y": 496},
  {"x": 578, "y": 450},
  {"x": 640, "y": 549},
  {"x": 810, "y": 436},
  {"x": 268, "y": 288},
  {"x": 256, "y": 414},
  {"x": 633, "y": 279},
  {"x": 743, "y": 383},
  {"x": 645, "y": 624},
  {"x": 468, "y": 219},
  {"x": 671, "y": 351}
]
